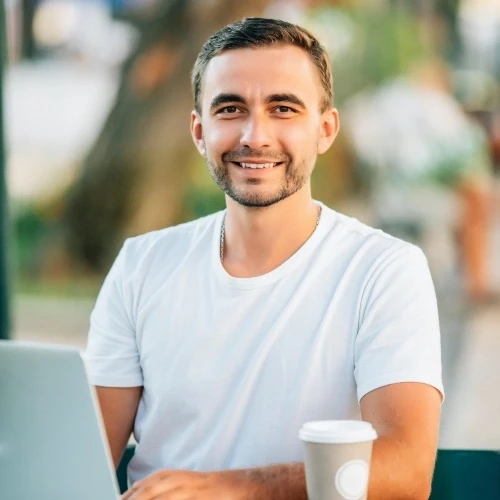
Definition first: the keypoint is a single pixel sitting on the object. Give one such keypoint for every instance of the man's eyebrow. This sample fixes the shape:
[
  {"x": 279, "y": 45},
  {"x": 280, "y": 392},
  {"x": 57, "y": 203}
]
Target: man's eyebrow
[
  {"x": 225, "y": 98},
  {"x": 292, "y": 98}
]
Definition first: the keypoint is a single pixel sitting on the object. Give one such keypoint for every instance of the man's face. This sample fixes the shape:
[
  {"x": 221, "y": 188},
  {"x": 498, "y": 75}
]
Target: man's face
[{"x": 261, "y": 127}]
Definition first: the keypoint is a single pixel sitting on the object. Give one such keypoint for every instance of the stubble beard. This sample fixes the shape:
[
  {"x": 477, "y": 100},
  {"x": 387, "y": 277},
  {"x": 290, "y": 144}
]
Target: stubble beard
[{"x": 294, "y": 179}]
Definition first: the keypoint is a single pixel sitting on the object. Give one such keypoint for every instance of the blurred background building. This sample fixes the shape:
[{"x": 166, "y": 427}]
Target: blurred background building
[{"x": 97, "y": 105}]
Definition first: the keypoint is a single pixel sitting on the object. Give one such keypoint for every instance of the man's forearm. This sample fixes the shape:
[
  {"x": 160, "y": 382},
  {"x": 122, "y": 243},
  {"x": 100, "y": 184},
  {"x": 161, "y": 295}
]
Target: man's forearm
[
  {"x": 273, "y": 482},
  {"x": 394, "y": 473}
]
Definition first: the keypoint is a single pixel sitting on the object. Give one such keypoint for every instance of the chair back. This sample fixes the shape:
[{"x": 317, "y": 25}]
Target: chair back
[
  {"x": 121, "y": 471},
  {"x": 466, "y": 475}
]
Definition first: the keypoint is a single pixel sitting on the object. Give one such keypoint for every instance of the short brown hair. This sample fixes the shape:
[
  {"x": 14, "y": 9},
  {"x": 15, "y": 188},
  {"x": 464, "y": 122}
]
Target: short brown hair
[{"x": 260, "y": 32}]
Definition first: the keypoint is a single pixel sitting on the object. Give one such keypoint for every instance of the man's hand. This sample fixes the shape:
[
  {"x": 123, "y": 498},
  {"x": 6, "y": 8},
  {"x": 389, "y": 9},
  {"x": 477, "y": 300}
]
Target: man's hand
[{"x": 184, "y": 485}]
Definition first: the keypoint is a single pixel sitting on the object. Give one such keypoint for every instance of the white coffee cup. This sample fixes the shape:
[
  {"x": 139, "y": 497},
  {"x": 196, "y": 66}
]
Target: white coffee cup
[{"x": 337, "y": 456}]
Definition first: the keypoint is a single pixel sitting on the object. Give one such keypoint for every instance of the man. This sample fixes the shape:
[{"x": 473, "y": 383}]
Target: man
[{"x": 215, "y": 340}]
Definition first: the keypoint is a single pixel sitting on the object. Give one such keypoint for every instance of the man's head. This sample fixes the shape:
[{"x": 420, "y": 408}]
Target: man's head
[{"x": 263, "y": 109}]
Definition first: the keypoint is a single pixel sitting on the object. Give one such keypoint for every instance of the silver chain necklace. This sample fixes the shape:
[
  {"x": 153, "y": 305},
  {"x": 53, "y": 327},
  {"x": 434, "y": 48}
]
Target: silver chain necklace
[{"x": 223, "y": 232}]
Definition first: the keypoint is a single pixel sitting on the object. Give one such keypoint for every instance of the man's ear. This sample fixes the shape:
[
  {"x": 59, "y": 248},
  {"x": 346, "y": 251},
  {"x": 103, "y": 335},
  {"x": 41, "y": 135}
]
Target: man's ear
[
  {"x": 197, "y": 132},
  {"x": 330, "y": 125}
]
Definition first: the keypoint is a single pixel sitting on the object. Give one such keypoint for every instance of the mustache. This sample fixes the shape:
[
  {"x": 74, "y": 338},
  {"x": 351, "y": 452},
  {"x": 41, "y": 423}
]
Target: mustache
[{"x": 239, "y": 154}]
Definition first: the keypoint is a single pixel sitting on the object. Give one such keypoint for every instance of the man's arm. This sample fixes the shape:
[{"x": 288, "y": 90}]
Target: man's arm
[
  {"x": 119, "y": 408},
  {"x": 406, "y": 418}
]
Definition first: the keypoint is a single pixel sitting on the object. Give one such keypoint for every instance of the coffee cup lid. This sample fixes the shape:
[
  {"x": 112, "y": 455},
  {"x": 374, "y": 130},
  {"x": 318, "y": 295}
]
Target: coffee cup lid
[{"x": 337, "y": 431}]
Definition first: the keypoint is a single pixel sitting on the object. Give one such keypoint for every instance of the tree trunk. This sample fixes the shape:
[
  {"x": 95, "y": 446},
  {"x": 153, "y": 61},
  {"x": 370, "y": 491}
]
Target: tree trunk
[{"x": 134, "y": 177}]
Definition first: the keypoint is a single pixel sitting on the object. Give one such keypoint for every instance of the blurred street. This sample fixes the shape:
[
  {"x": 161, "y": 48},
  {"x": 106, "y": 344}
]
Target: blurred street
[{"x": 472, "y": 408}]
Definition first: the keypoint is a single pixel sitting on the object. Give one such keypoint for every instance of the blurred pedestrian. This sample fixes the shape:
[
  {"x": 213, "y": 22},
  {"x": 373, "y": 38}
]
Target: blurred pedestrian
[{"x": 428, "y": 167}]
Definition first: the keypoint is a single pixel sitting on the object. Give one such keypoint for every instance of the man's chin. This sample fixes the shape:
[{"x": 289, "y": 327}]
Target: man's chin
[{"x": 253, "y": 200}]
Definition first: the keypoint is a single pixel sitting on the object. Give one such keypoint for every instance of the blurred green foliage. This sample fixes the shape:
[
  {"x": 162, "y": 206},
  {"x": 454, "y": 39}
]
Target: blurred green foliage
[
  {"x": 202, "y": 196},
  {"x": 30, "y": 227},
  {"x": 372, "y": 46}
]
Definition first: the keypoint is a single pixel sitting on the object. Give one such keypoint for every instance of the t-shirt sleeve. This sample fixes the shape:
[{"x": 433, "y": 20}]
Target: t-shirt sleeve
[
  {"x": 398, "y": 338},
  {"x": 112, "y": 356}
]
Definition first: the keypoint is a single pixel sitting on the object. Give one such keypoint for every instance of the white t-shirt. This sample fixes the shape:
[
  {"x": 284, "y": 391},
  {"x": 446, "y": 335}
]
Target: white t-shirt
[{"x": 232, "y": 367}]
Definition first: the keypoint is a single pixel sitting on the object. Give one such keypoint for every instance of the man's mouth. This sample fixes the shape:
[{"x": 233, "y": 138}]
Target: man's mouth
[{"x": 256, "y": 165}]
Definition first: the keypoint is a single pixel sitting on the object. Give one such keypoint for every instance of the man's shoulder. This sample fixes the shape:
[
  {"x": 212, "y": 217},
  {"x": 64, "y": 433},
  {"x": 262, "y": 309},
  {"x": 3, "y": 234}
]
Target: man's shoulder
[
  {"x": 366, "y": 234},
  {"x": 173, "y": 240},
  {"x": 369, "y": 244}
]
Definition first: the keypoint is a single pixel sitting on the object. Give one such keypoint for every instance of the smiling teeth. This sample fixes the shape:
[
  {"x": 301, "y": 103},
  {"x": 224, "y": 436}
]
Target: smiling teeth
[{"x": 257, "y": 165}]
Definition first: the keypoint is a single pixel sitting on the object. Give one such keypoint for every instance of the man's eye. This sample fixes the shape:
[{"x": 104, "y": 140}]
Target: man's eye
[
  {"x": 284, "y": 109},
  {"x": 229, "y": 110}
]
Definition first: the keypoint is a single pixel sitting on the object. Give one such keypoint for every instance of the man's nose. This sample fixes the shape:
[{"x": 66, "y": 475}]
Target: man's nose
[{"x": 256, "y": 132}]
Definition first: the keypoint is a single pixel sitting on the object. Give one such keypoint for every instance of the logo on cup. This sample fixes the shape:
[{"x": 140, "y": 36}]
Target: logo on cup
[{"x": 351, "y": 479}]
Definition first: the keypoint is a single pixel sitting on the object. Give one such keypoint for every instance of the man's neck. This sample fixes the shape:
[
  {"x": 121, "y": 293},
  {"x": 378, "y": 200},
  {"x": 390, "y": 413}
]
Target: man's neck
[{"x": 258, "y": 240}]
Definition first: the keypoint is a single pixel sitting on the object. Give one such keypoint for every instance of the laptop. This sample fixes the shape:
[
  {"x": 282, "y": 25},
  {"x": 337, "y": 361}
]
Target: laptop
[{"x": 52, "y": 438}]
